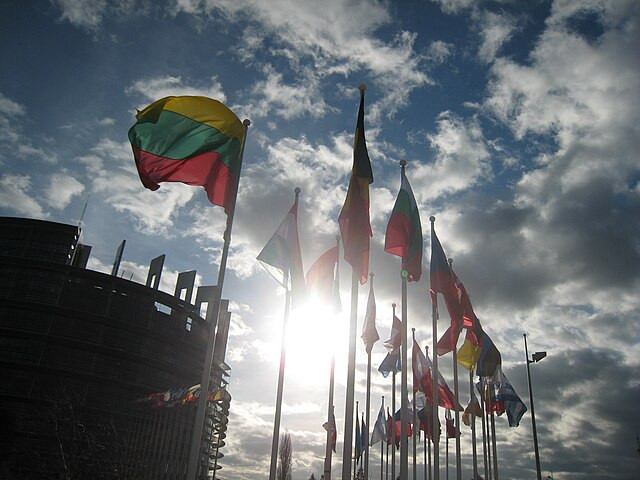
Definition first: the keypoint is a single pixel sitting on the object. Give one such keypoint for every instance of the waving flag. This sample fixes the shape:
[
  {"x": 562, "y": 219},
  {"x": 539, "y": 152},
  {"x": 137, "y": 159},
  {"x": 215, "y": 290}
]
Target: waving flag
[
  {"x": 442, "y": 280},
  {"x": 425, "y": 415},
  {"x": 395, "y": 338},
  {"x": 379, "y": 433},
  {"x": 404, "y": 231},
  {"x": 469, "y": 352},
  {"x": 281, "y": 255},
  {"x": 450, "y": 425},
  {"x": 513, "y": 405},
  {"x": 489, "y": 358},
  {"x": 369, "y": 331},
  {"x": 391, "y": 363},
  {"x": 321, "y": 277},
  {"x": 473, "y": 408},
  {"x": 189, "y": 139},
  {"x": 355, "y": 225},
  {"x": 446, "y": 398}
]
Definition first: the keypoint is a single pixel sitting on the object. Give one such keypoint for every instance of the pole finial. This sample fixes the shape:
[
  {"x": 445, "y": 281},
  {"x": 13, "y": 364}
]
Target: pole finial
[
  {"x": 393, "y": 305},
  {"x": 403, "y": 162},
  {"x": 450, "y": 260},
  {"x": 432, "y": 219},
  {"x": 413, "y": 329},
  {"x": 246, "y": 122},
  {"x": 362, "y": 87},
  {"x": 371, "y": 275},
  {"x": 296, "y": 190}
]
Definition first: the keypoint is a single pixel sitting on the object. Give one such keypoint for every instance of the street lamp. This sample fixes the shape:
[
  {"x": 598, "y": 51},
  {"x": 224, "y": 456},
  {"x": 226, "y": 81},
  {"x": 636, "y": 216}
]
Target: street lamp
[{"x": 536, "y": 357}]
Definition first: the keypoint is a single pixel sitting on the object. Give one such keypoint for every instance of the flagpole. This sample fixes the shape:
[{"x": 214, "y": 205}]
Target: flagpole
[
  {"x": 382, "y": 442},
  {"x": 456, "y": 411},
  {"x": 485, "y": 420},
  {"x": 330, "y": 407},
  {"x": 434, "y": 319},
  {"x": 368, "y": 403},
  {"x": 426, "y": 354},
  {"x": 473, "y": 425},
  {"x": 415, "y": 472},
  {"x": 393, "y": 413},
  {"x": 283, "y": 356},
  {"x": 446, "y": 449},
  {"x": 351, "y": 373},
  {"x": 424, "y": 454},
  {"x": 355, "y": 463},
  {"x": 495, "y": 450},
  {"x": 198, "y": 426}
]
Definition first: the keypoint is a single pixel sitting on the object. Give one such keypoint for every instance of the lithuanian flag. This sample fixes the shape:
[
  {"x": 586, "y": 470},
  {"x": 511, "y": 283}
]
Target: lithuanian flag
[
  {"x": 404, "y": 231},
  {"x": 189, "y": 139}
]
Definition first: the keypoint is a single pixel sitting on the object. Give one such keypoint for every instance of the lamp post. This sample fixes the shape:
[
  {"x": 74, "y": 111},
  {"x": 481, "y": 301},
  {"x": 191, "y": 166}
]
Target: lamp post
[{"x": 536, "y": 357}]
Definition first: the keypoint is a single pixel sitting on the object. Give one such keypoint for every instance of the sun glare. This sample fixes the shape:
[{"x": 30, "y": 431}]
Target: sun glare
[{"x": 314, "y": 334}]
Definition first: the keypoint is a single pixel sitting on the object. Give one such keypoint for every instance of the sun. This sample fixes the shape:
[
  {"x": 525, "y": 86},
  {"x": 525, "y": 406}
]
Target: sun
[{"x": 314, "y": 334}]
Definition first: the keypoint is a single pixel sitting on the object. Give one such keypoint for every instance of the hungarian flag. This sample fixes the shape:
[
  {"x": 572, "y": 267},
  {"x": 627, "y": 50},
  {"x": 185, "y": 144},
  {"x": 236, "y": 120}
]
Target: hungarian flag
[
  {"x": 355, "y": 225},
  {"x": 404, "y": 231},
  {"x": 321, "y": 278},
  {"x": 442, "y": 280},
  {"x": 281, "y": 255},
  {"x": 189, "y": 139},
  {"x": 369, "y": 331}
]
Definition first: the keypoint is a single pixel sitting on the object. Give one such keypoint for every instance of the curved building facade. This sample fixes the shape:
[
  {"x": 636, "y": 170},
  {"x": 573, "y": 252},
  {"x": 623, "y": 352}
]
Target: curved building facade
[{"x": 79, "y": 350}]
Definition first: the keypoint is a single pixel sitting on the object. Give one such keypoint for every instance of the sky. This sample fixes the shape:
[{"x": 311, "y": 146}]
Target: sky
[{"x": 520, "y": 125}]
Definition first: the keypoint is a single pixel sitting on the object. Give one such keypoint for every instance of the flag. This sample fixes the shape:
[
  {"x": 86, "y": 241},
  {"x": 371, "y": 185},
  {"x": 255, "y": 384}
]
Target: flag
[
  {"x": 364, "y": 434},
  {"x": 321, "y": 278},
  {"x": 489, "y": 357},
  {"x": 419, "y": 366},
  {"x": 390, "y": 427},
  {"x": 281, "y": 255},
  {"x": 189, "y": 139},
  {"x": 446, "y": 398},
  {"x": 513, "y": 405},
  {"x": 450, "y": 424},
  {"x": 442, "y": 280},
  {"x": 369, "y": 331},
  {"x": 468, "y": 319},
  {"x": 425, "y": 415},
  {"x": 469, "y": 351},
  {"x": 355, "y": 225},
  {"x": 391, "y": 363},
  {"x": 473, "y": 408},
  {"x": 404, "y": 232},
  {"x": 398, "y": 425},
  {"x": 331, "y": 427},
  {"x": 395, "y": 338},
  {"x": 379, "y": 433}
]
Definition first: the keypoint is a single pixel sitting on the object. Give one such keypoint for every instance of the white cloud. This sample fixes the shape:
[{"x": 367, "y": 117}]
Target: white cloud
[
  {"x": 62, "y": 189},
  {"x": 439, "y": 51},
  {"x": 82, "y": 13},
  {"x": 455, "y": 6},
  {"x": 10, "y": 108},
  {"x": 496, "y": 29},
  {"x": 106, "y": 121},
  {"x": 153, "y": 89},
  {"x": 15, "y": 197}
]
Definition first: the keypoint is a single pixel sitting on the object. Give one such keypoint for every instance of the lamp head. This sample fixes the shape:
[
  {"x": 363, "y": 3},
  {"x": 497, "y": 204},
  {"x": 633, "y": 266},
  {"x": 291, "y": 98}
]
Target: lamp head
[{"x": 538, "y": 356}]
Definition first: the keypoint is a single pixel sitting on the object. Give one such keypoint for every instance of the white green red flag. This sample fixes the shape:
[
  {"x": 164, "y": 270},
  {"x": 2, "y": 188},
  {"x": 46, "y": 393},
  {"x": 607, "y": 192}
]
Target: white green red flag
[{"x": 404, "y": 232}]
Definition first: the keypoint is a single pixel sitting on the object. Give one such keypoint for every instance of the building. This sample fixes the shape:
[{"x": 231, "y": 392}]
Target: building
[{"x": 80, "y": 353}]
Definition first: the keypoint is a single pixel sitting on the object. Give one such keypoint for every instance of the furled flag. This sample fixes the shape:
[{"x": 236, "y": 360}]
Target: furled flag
[
  {"x": 473, "y": 408},
  {"x": 322, "y": 277},
  {"x": 369, "y": 331},
  {"x": 442, "y": 280},
  {"x": 404, "y": 231},
  {"x": 446, "y": 398},
  {"x": 355, "y": 225},
  {"x": 513, "y": 405},
  {"x": 331, "y": 427},
  {"x": 451, "y": 426},
  {"x": 364, "y": 435},
  {"x": 189, "y": 139},
  {"x": 281, "y": 255},
  {"x": 391, "y": 363},
  {"x": 379, "y": 433}
]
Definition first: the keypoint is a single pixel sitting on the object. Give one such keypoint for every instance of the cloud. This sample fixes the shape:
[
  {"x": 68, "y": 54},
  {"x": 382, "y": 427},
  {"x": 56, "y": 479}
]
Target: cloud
[
  {"x": 82, "y": 13},
  {"x": 15, "y": 197},
  {"x": 62, "y": 189},
  {"x": 153, "y": 89},
  {"x": 496, "y": 29},
  {"x": 10, "y": 108}
]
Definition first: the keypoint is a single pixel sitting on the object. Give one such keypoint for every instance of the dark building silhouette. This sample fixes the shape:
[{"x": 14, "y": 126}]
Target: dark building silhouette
[{"x": 80, "y": 353}]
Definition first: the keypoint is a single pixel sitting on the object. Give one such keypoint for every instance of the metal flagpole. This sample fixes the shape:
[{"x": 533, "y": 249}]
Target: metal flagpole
[
  {"x": 393, "y": 413},
  {"x": 456, "y": 412},
  {"x": 404, "y": 445},
  {"x": 367, "y": 401},
  {"x": 351, "y": 374},
  {"x": 434, "y": 319},
  {"x": 473, "y": 425},
  {"x": 495, "y": 450},
  {"x": 426, "y": 353},
  {"x": 415, "y": 470},
  {"x": 424, "y": 454},
  {"x": 446, "y": 450},
  {"x": 382, "y": 446},
  {"x": 533, "y": 415},
  {"x": 198, "y": 426},
  {"x": 355, "y": 463},
  {"x": 283, "y": 356},
  {"x": 386, "y": 472},
  {"x": 485, "y": 417},
  {"x": 330, "y": 407}
]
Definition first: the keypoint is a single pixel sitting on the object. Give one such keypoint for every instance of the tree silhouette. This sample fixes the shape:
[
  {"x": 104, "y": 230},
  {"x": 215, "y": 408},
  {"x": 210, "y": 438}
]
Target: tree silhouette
[{"x": 283, "y": 471}]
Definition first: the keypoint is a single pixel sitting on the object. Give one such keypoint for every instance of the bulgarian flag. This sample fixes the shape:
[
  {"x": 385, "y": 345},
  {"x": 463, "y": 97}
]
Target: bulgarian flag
[
  {"x": 404, "y": 231},
  {"x": 189, "y": 139}
]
